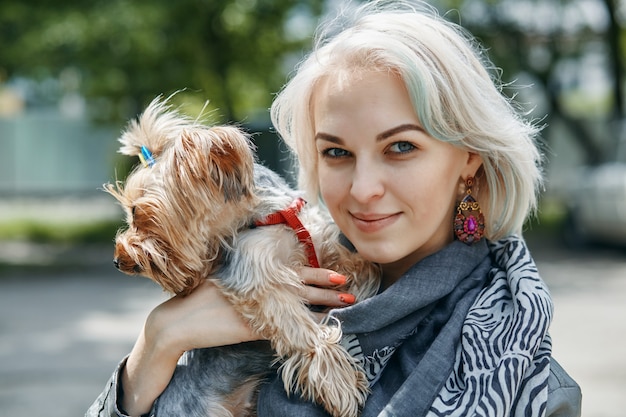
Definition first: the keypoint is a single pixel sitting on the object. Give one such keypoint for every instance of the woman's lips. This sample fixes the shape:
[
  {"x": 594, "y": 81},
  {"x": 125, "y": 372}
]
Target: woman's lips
[{"x": 370, "y": 223}]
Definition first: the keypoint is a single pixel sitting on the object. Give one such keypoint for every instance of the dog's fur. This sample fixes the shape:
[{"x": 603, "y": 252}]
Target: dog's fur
[{"x": 189, "y": 218}]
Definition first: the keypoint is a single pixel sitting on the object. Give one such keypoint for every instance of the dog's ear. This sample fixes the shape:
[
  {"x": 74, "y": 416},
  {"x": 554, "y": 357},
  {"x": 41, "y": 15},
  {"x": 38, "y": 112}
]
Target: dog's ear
[
  {"x": 156, "y": 129},
  {"x": 219, "y": 158}
]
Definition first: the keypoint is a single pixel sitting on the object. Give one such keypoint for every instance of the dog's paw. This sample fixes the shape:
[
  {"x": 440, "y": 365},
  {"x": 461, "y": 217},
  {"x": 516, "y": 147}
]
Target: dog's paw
[{"x": 329, "y": 376}]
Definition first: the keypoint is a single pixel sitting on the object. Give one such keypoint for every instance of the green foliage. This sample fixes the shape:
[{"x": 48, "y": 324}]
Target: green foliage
[
  {"x": 235, "y": 53},
  {"x": 63, "y": 233},
  {"x": 127, "y": 52}
]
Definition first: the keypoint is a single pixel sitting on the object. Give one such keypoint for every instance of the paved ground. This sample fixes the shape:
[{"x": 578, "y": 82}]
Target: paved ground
[
  {"x": 589, "y": 328},
  {"x": 62, "y": 334},
  {"x": 62, "y": 331}
]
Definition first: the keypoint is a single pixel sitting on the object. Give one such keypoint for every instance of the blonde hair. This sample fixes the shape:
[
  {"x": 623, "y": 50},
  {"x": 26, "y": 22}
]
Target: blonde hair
[{"x": 454, "y": 95}]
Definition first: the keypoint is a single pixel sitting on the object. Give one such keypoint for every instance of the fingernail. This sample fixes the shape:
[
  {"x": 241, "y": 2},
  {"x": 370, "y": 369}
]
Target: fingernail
[
  {"x": 337, "y": 278},
  {"x": 347, "y": 298}
]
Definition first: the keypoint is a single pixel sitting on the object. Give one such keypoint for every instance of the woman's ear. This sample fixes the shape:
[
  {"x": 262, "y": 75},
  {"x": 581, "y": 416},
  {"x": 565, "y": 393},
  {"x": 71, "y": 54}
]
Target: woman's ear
[{"x": 473, "y": 164}]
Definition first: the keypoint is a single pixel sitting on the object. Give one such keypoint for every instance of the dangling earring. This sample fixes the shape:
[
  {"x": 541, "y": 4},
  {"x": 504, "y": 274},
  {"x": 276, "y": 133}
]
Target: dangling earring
[{"x": 469, "y": 223}]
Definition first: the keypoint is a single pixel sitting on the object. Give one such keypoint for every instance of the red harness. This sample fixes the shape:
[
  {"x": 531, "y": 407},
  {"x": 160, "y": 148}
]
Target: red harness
[{"x": 289, "y": 216}]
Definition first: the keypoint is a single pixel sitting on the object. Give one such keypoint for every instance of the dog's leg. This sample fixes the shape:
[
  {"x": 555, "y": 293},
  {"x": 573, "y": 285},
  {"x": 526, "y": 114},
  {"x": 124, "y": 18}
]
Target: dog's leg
[
  {"x": 315, "y": 364},
  {"x": 265, "y": 290}
]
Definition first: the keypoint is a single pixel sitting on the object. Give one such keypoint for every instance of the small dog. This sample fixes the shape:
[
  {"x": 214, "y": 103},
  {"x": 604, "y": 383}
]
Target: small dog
[{"x": 199, "y": 208}]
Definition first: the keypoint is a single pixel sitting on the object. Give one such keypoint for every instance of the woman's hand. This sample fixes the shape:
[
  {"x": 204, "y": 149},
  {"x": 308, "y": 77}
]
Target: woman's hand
[
  {"x": 320, "y": 288},
  {"x": 204, "y": 318}
]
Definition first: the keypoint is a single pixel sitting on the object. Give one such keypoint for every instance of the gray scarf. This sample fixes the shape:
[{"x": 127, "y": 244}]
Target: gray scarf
[{"x": 463, "y": 332}]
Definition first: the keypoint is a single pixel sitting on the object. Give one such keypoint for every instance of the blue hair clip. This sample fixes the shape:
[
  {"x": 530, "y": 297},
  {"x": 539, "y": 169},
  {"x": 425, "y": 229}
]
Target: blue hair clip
[{"x": 146, "y": 157}]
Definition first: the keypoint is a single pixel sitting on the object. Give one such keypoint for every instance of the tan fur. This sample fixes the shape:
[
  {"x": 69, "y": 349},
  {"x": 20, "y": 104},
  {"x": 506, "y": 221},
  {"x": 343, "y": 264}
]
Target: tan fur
[{"x": 188, "y": 220}]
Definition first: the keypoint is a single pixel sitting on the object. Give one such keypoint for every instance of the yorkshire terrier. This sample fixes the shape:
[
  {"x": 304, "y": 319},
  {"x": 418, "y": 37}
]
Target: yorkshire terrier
[{"x": 200, "y": 207}]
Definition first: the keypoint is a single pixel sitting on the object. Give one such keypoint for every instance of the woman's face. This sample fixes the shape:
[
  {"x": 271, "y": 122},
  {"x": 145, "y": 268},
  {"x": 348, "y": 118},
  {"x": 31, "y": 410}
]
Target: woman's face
[{"x": 390, "y": 187}]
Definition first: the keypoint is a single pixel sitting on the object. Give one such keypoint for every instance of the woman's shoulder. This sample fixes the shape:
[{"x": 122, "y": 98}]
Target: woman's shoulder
[{"x": 564, "y": 394}]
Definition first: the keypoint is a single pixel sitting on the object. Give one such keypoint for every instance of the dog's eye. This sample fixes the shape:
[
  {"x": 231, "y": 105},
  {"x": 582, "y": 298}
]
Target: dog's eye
[{"x": 132, "y": 211}]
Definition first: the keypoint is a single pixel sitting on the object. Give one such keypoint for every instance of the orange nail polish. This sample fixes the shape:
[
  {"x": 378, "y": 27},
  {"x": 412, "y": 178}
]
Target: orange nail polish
[
  {"x": 337, "y": 279},
  {"x": 347, "y": 298}
]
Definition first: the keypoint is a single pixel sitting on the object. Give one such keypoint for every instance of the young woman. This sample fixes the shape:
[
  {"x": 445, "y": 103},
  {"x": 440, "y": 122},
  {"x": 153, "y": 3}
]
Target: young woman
[{"x": 401, "y": 131}]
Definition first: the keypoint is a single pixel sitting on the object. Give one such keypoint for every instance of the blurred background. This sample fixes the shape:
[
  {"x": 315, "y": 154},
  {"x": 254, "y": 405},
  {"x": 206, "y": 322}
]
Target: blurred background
[{"x": 73, "y": 73}]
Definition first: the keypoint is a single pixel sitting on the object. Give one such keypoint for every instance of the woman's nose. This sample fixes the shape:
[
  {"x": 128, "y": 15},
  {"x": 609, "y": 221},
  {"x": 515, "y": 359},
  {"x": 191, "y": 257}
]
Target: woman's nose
[{"x": 367, "y": 182}]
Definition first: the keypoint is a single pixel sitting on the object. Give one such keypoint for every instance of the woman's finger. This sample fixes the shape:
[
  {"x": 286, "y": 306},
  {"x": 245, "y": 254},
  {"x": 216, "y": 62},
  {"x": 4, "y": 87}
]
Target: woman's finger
[
  {"x": 321, "y": 277},
  {"x": 327, "y": 297}
]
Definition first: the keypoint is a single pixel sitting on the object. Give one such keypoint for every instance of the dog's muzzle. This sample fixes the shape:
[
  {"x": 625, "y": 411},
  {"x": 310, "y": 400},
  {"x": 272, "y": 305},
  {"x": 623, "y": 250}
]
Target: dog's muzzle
[{"x": 137, "y": 269}]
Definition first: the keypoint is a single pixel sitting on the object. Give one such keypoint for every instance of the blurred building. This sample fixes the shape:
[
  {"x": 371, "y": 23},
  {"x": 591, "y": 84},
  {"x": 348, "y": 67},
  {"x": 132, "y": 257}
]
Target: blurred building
[
  {"x": 42, "y": 152},
  {"x": 52, "y": 149},
  {"x": 56, "y": 150}
]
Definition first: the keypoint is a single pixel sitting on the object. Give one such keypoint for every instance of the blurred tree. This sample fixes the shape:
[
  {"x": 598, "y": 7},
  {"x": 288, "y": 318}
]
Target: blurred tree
[
  {"x": 236, "y": 52},
  {"x": 123, "y": 53},
  {"x": 570, "y": 50}
]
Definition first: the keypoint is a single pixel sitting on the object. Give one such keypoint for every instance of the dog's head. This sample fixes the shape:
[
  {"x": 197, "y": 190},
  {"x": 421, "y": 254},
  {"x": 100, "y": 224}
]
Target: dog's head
[{"x": 194, "y": 190}]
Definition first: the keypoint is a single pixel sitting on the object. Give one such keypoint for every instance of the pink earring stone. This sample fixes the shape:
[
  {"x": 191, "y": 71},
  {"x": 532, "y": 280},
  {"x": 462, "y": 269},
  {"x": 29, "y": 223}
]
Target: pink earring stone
[{"x": 471, "y": 225}]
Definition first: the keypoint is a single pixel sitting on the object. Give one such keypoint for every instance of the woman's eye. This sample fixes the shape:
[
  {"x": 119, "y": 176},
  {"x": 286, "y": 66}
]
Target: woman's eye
[
  {"x": 335, "y": 153},
  {"x": 402, "y": 147}
]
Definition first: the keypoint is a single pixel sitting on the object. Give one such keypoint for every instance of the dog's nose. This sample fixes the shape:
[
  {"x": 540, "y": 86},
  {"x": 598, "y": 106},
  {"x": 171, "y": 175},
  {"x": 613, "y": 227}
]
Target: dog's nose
[{"x": 116, "y": 262}]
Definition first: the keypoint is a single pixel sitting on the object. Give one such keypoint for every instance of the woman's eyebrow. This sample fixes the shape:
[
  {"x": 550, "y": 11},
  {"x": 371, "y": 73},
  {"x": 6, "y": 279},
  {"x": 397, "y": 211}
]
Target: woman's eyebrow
[
  {"x": 398, "y": 129},
  {"x": 381, "y": 136},
  {"x": 327, "y": 137}
]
